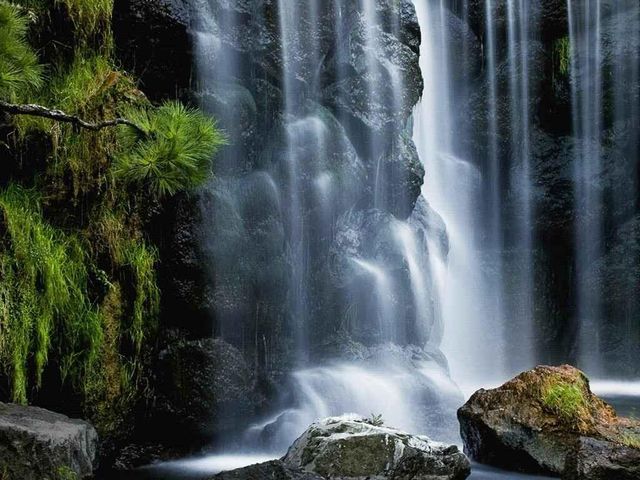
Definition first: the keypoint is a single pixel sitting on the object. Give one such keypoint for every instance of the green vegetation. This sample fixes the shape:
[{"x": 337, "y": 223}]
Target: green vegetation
[
  {"x": 93, "y": 89},
  {"x": 89, "y": 16},
  {"x": 562, "y": 55},
  {"x": 19, "y": 67},
  {"x": 66, "y": 473},
  {"x": 142, "y": 259},
  {"x": 375, "y": 420},
  {"x": 42, "y": 288},
  {"x": 631, "y": 440},
  {"x": 178, "y": 153},
  {"x": 78, "y": 280},
  {"x": 567, "y": 400}
]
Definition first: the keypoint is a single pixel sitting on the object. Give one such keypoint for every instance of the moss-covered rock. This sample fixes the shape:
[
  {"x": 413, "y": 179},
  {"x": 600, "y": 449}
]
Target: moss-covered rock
[{"x": 548, "y": 421}]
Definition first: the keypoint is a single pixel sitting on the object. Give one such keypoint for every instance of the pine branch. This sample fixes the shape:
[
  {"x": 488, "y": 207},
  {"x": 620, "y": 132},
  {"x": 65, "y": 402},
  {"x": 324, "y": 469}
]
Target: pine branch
[{"x": 60, "y": 116}]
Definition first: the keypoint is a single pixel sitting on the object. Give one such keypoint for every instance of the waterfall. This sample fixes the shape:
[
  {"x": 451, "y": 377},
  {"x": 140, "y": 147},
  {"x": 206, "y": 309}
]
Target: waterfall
[
  {"x": 520, "y": 19},
  {"x": 586, "y": 60},
  {"x": 493, "y": 184},
  {"x": 605, "y": 56},
  {"x": 467, "y": 190},
  {"x": 366, "y": 233},
  {"x": 320, "y": 272}
]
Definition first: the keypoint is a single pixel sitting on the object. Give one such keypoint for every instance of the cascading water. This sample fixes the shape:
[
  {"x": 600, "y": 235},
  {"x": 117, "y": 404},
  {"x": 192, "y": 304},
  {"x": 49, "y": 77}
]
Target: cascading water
[
  {"x": 466, "y": 190},
  {"x": 313, "y": 228},
  {"x": 521, "y": 20},
  {"x": 586, "y": 61},
  {"x": 605, "y": 57},
  {"x": 451, "y": 188}
]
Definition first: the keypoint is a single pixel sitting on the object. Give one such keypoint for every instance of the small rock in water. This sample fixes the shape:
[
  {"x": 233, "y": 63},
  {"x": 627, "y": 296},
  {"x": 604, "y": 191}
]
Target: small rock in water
[
  {"x": 36, "y": 444},
  {"x": 547, "y": 421},
  {"x": 351, "y": 447}
]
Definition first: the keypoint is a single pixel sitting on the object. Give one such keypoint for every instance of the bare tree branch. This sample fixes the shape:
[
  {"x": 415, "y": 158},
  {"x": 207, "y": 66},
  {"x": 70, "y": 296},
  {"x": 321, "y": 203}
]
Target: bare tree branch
[{"x": 60, "y": 116}]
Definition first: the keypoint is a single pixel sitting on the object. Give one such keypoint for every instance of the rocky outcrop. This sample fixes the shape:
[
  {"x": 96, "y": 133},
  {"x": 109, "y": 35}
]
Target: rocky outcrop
[
  {"x": 185, "y": 286},
  {"x": 205, "y": 387},
  {"x": 152, "y": 40},
  {"x": 36, "y": 444},
  {"x": 547, "y": 421},
  {"x": 352, "y": 447}
]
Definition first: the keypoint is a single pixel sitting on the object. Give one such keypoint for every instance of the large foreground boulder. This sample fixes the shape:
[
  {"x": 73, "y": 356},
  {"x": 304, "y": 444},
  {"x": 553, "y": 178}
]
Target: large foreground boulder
[
  {"x": 547, "y": 421},
  {"x": 352, "y": 447},
  {"x": 36, "y": 444}
]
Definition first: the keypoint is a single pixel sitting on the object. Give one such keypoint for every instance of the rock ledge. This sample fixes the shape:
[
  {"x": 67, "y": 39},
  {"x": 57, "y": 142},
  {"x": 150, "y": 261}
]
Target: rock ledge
[{"x": 36, "y": 444}]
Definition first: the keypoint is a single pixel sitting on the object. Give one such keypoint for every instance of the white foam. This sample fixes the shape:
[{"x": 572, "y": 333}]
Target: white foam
[
  {"x": 616, "y": 388},
  {"x": 213, "y": 464}
]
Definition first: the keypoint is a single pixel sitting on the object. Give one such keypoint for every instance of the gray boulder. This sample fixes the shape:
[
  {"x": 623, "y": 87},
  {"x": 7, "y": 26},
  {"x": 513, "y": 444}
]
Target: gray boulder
[
  {"x": 603, "y": 460},
  {"x": 351, "y": 447},
  {"x": 36, "y": 444}
]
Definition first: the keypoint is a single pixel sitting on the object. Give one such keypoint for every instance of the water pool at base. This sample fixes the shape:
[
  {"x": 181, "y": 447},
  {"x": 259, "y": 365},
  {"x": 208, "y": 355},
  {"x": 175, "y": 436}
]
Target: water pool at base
[
  {"x": 624, "y": 396},
  {"x": 202, "y": 469}
]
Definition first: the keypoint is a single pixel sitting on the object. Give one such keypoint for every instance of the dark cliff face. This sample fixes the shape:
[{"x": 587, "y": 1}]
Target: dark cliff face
[
  {"x": 152, "y": 40},
  {"x": 553, "y": 152}
]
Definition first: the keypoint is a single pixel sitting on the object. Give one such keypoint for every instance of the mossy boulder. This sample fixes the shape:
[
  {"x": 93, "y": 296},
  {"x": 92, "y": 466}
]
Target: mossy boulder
[
  {"x": 548, "y": 421},
  {"x": 351, "y": 447}
]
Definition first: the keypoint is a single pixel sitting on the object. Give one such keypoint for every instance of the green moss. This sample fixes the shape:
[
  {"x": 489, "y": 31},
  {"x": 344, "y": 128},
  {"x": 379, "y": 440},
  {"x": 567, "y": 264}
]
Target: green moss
[
  {"x": 109, "y": 393},
  {"x": 90, "y": 20},
  {"x": 567, "y": 400},
  {"x": 43, "y": 285},
  {"x": 141, "y": 259},
  {"x": 631, "y": 440},
  {"x": 177, "y": 154},
  {"x": 66, "y": 473},
  {"x": 20, "y": 71},
  {"x": 562, "y": 55},
  {"x": 128, "y": 251}
]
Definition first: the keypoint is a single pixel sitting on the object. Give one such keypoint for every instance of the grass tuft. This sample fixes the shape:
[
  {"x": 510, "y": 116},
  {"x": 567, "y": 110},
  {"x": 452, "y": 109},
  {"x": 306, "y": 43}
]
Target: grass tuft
[
  {"x": 91, "y": 20},
  {"x": 141, "y": 259},
  {"x": 562, "y": 55},
  {"x": 567, "y": 400}
]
